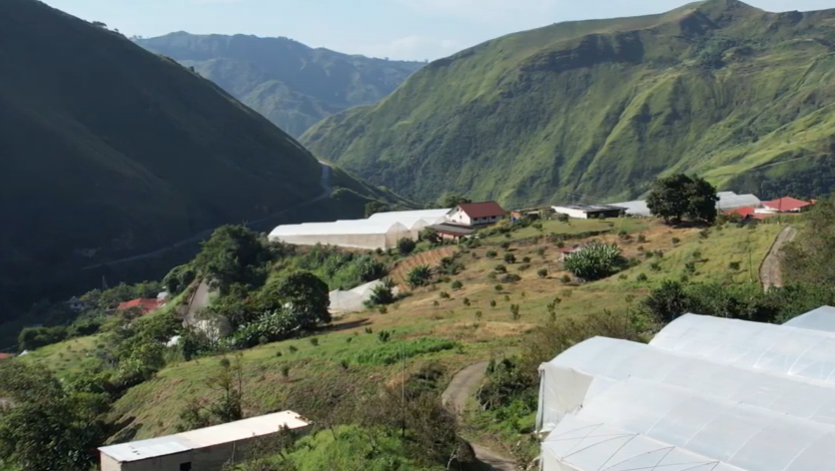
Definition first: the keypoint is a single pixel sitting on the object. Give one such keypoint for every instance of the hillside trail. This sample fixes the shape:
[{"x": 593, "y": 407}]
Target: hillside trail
[
  {"x": 455, "y": 397},
  {"x": 327, "y": 190},
  {"x": 770, "y": 269}
]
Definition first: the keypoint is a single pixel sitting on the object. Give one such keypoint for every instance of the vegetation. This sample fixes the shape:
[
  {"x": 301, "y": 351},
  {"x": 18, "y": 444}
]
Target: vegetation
[
  {"x": 595, "y": 261},
  {"x": 293, "y": 85},
  {"x": 115, "y": 193},
  {"x": 640, "y": 102},
  {"x": 806, "y": 259},
  {"x": 419, "y": 276},
  {"x": 676, "y": 196}
]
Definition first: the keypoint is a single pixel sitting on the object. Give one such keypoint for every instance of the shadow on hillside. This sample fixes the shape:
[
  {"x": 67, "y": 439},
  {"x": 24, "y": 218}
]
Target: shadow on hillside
[{"x": 346, "y": 325}]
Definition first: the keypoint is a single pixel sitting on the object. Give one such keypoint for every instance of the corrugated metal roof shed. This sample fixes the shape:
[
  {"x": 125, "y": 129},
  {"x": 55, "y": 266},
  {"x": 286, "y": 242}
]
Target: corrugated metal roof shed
[{"x": 205, "y": 437}]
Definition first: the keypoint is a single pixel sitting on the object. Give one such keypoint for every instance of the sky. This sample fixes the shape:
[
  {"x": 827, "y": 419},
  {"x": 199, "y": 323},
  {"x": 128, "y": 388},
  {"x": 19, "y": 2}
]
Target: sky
[{"x": 398, "y": 29}]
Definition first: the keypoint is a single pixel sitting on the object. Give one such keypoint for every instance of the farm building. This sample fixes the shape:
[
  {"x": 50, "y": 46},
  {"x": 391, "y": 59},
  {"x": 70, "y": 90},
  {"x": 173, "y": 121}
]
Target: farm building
[
  {"x": 727, "y": 200},
  {"x": 145, "y": 305},
  {"x": 590, "y": 211},
  {"x": 205, "y": 449},
  {"x": 475, "y": 214},
  {"x": 784, "y": 205},
  {"x": 706, "y": 393},
  {"x": 380, "y": 231}
]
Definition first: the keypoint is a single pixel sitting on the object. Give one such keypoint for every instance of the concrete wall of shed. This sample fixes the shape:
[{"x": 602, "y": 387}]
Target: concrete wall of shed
[{"x": 202, "y": 459}]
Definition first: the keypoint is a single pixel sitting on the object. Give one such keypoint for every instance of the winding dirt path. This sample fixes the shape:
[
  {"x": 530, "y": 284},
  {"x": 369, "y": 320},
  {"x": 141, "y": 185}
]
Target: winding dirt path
[
  {"x": 455, "y": 397},
  {"x": 770, "y": 268}
]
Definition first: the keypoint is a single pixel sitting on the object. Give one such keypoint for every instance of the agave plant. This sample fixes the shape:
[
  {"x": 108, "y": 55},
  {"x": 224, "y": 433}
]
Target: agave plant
[{"x": 595, "y": 261}]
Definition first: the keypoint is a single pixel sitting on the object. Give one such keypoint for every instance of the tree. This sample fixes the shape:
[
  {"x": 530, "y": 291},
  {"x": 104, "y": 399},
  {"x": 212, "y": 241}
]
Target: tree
[
  {"x": 233, "y": 254},
  {"x": 451, "y": 200},
  {"x": 419, "y": 276},
  {"x": 179, "y": 278},
  {"x": 430, "y": 235},
  {"x": 306, "y": 297},
  {"x": 406, "y": 246},
  {"x": 595, "y": 261},
  {"x": 676, "y": 196},
  {"x": 227, "y": 383},
  {"x": 382, "y": 294}
]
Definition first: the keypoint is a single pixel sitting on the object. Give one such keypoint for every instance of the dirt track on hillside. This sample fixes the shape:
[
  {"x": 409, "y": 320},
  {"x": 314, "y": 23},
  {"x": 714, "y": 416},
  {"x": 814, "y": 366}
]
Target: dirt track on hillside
[
  {"x": 455, "y": 397},
  {"x": 770, "y": 269}
]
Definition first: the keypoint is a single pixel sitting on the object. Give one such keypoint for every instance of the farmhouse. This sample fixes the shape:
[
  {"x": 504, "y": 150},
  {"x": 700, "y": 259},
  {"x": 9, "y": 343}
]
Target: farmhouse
[
  {"x": 784, "y": 205},
  {"x": 707, "y": 393},
  {"x": 475, "y": 214},
  {"x": 206, "y": 449},
  {"x": 595, "y": 211},
  {"x": 451, "y": 231}
]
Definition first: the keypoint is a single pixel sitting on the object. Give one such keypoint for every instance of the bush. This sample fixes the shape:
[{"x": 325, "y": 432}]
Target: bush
[
  {"x": 419, "y": 276},
  {"x": 491, "y": 254},
  {"x": 690, "y": 268},
  {"x": 514, "y": 312},
  {"x": 541, "y": 251},
  {"x": 565, "y": 279},
  {"x": 443, "y": 295},
  {"x": 526, "y": 259},
  {"x": 314, "y": 341},
  {"x": 524, "y": 266},
  {"x": 382, "y": 294},
  {"x": 704, "y": 234},
  {"x": 500, "y": 269},
  {"x": 562, "y": 217},
  {"x": 493, "y": 302},
  {"x": 594, "y": 262},
  {"x": 509, "y": 258},
  {"x": 498, "y": 288},
  {"x": 405, "y": 246},
  {"x": 449, "y": 266},
  {"x": 505, "y": 245},
  {"x": 734, "y": 266},
  {"x": 510, "y": 278},
  {"x": 655, "y": 266},
  {"x": 642, "y": 238},
  {"x": 542, "y": 273},
  {"x": 456, "y": 285},
  {"x": 466, "y": 301},
  {"x": 642, "y": 277}
]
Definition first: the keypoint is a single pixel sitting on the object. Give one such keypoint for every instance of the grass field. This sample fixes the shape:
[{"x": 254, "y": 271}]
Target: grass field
[{"x": 430, "y": 327}]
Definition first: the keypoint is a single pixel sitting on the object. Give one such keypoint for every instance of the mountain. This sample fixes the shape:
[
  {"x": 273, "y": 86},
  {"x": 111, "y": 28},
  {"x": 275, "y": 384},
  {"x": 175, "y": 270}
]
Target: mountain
[
  {"x": 293, "y": 85},
  {"x": 109, "y": 151},
  {"x": 592, "y": 111}
]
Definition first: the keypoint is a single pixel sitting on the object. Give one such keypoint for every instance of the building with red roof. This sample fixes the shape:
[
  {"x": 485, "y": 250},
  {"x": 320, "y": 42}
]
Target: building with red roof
[
  {"x": 146, "y": 305},
  {"x": 476, "y": 214},
  {"x": 786, "y": 204},
  {"x": 4, "y": 356}
]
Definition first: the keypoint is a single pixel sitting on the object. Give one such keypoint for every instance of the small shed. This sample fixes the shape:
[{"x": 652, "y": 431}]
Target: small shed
[
  {"x": 593, "y": 211},
  {"x": 205, "y": 449}
]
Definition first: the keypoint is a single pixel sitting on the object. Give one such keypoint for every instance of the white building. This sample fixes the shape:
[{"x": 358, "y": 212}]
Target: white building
[
  {"x": 590, "y": 211},
  {"x": 206, "y": 449},
  {"x": 706, "y": 394},
  {"x": 475, "y": 214}
]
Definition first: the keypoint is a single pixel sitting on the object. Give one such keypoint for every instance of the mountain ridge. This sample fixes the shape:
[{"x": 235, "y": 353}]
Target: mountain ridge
[
  {"x": 593, "y": 111},
  {"x": 290, "y": 83}
]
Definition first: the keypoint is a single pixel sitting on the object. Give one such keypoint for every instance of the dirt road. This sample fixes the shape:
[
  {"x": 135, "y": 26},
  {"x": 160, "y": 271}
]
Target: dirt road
[
  {"x": 455, "y": 397},
  {"x": 770, "y": 268}
]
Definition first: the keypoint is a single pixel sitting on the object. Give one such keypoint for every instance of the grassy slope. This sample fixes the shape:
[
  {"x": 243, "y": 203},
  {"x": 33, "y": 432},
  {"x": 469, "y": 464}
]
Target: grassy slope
[
  {"x": 293, "y": 85},
  {"x": 594, "y": 110},
  {"x": 109, "y": 150},
  {"x": 153, "y": 406}
]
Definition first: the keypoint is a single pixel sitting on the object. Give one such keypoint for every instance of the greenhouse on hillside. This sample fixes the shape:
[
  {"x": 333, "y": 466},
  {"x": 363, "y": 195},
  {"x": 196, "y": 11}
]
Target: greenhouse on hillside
[
  {"x": 707, "y": 393},
  {"x": 380, "y": 231},
  {"x": 727, "y": 200}
]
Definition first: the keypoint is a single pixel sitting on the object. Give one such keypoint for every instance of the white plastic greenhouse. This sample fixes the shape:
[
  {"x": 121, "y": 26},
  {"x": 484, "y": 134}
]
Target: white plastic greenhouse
[
  {"x": 707, "y": 393},
  {"x": 381, "y": 230},
  {"x": 727, "y": 200}
]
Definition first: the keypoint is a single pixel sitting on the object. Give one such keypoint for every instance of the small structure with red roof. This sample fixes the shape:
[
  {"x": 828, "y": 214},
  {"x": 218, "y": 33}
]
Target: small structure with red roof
[
  {"x": 4, "y": 356},
  {"x": 146, "y": 305},
  {"x": 786, "y": 204},
  {"x": 476, "y": 214}
]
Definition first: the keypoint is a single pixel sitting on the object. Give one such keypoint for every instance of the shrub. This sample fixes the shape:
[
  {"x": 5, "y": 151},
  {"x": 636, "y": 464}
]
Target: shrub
[
  {"x": 498, "y": 288},
  {"x": 405, "y": 246},
  {"x": 436, "y": 303},
  {"x": 704, "y": 233},
  {"x": 690, "y": 268},
  {"x": 642, "y": 238},
  {"x": 649, "y": 254},
  {"x": 659, "y": 253},
  {"x": 675, "y": 240},
  {"x": 526, "y": 259},
  {"x": 382, "y": 294},
  {"x": 696, "y": 254},
  {"x": 314, "y": 341},
  {"x": 383, "y": 336},
  {"x": 640, "y": 248},
  {"x": 542, "y": 273},
  {"x": 734, "y": 266},
  {"x": 443, "y": 295},
  {"x": 514, "y": 312},
  {"x": 507, "y": 297},
  {"x": 478, "y": 315},
  {"x": 449, "y": 266},
  {"x": 655, "y": 266},
  {"x": 383, "y": 309},
  {"x": 293, "y": 349},
  {"x": 492, "y": 303},
  {"x": 456, "y": 285},
  {"x": 594, "y": 262},
  {"x": 491, "y": 254},
  {"x": 524, "y": 266},
  {"x": 509, "y": 258},
  {"x": 641, "y": 277},
  {"x": 466, "y": 301},
  {"x": 500, "y": 268},
  {"x": 510, "y": 278},
  {"x": 369, "y": 330},
  {"x": 419, "y": 276},
  {"x": 505, "y": 245},
  {"x": 562, "y": 217},
  {"x": 565, "y": 279},
  {"x": 541, "y": 251}
]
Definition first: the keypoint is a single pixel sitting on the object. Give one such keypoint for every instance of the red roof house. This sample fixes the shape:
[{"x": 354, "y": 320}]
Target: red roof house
[
  {"x": 147, "y": 305},
  {"x": 476, "y": 214},
  {"x": 3, "y": 356},
  {"x": 786, "y": 205}
]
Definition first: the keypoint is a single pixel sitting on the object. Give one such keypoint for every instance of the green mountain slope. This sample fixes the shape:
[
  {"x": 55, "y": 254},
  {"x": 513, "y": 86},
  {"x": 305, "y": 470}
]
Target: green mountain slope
[
  {"x": 293, "y": 85},
  {"x": 108, "y": 151},
  {"x": 591, "y": 111}
]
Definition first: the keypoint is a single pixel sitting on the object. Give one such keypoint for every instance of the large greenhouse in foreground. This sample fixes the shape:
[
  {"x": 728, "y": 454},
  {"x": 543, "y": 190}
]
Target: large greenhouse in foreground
[{"x": 707, "y": 394}]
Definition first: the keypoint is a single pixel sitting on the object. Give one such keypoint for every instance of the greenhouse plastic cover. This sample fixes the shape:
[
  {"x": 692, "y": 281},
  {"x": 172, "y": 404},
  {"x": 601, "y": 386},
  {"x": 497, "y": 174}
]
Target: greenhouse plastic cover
[
  {"x": 781, "y": 349},
  {"x": 643, "y": 425},
  {"x": 727, "y": 200},
  {"x": 355, "y": 226},
  {"x": 589, "y": 368},
  {"x": 822, "y": 318}
]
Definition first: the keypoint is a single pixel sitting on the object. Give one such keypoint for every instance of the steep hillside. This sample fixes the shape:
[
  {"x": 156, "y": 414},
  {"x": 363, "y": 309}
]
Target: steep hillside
[
  {"x": 594, "y": 110},
  {"x": 108, "y": 151},
  {"x": 293, "y": 85}
]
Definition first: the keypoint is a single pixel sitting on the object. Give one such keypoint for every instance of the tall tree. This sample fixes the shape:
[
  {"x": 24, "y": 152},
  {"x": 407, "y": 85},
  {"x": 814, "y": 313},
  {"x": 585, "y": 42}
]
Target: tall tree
[
  {"x": 676, "y": 196},
  {"x": 451, "y": 200},
  {"x": 306, "y": 297},
  {"x": 233, "y": 254}
]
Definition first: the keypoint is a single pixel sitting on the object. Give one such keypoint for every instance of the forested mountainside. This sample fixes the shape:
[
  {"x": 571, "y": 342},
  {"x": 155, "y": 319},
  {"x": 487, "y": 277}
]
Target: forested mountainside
[
  {"x": 108, "y": 151},
  {"x": 293, "y": 85},
  {"x": 594, "y": 110}
]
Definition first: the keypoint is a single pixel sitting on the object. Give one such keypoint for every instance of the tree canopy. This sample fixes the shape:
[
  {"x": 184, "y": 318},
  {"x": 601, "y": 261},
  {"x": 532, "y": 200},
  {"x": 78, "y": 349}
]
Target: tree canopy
[
  {"x": 677, "y": 196},
  {"x": 451, "y": 200},
  {"x": 233, "y": 254}
]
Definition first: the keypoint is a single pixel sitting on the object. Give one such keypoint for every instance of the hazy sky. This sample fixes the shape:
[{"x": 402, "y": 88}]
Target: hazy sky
[{"x": 401, "y": 29}]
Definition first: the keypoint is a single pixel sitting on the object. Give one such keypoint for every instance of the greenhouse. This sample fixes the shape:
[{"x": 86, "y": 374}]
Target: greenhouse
[
  {"x": 727, "y": 200},
  {"x": 706, "y": 393},
  {"x": 360, "y": 233},
  {"x": 380, "y": 231}
]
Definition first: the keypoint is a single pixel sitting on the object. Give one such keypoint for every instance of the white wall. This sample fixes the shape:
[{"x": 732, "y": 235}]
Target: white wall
[
  {"x": 459, "y": 217},
  {"x": 571, "y": 212}
]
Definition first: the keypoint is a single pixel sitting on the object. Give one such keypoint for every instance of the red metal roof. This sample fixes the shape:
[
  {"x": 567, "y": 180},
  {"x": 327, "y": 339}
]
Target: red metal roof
[
  {"x": 146, "y": 305},
  {"x": 482, "y": 210},
  {"x": 786, "y": 204},
  {"x": 3, "y": 356},
  {"x": 743, "y": 211}
]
